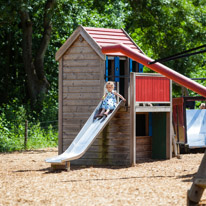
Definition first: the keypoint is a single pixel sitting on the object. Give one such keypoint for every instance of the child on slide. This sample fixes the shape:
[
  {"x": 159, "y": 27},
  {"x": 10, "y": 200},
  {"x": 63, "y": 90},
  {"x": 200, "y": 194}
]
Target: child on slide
[{"x": 109, "y": 99}]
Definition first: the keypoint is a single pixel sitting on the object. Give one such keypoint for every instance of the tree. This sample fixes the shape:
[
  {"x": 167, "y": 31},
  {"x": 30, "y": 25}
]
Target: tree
[
  {"x": 29, "y": 42},
  {"x": 24, "y": 15},
  {"x": 164, "y": 28},
  {"x": 34, "y": 64}
]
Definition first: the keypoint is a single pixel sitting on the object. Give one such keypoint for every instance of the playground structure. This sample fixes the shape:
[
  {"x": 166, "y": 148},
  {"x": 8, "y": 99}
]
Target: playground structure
[
  {"x": 194, "y": 194},
  {"x": 141, "y": 128},
  {"x": 189, "y": 123}
]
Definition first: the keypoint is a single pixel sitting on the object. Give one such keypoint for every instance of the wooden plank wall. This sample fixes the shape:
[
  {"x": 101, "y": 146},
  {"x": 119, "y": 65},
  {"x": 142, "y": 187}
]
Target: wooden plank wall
[
  {"x": 143, "y": 147},
  {"x": 112, "y": 146},
  {"x": 83, "y": 82}
]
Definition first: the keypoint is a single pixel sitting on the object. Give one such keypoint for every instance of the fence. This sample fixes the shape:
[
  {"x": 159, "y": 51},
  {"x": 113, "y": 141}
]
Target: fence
[{"x": 24, "y": 134}]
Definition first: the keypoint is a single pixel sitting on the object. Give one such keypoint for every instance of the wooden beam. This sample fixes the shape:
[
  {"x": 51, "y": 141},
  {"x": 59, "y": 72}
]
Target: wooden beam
[
  {"x": 60, "y": 166},
  {"x": 132, "y": 120},
  {"x": 152, "y": 109},
  {"x": 171, "y": 126},
  {"x": 60, "y": 116},
  {"x": 195, "y": 193},
  {"x": 200, "y": 182}
]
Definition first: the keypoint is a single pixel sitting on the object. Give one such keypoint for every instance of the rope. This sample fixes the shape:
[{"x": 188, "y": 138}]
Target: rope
[{"x": 179, "y": 55}]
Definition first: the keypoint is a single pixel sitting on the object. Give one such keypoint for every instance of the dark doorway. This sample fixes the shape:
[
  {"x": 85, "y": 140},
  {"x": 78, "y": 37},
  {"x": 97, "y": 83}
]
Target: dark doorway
[
  {"x": 122, "y": 79},
  {"x": 140, "y": 125},
  {"x": 111, "y": 70},
  {"x": 159, "y": 130}
]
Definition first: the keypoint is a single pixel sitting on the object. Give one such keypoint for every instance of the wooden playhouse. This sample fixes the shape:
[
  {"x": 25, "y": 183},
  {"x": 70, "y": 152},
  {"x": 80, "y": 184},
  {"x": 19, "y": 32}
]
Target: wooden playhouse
[{"x": 141, "y": 128}]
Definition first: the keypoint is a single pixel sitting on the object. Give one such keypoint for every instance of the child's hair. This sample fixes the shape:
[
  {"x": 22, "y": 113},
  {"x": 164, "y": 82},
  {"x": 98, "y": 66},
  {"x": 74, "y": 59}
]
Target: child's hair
[
  {"x": 109, "y": 83},
  {"x": 202, "y": 106}
]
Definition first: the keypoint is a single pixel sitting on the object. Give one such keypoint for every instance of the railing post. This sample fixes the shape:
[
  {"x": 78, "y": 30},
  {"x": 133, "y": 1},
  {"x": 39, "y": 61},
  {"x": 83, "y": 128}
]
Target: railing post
[{"x": 26, "y": 134}]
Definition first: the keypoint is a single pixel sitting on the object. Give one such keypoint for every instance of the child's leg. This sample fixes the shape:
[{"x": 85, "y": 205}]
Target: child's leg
[
  {"x": 107, "y": 112},
  {"x": 102, "y": 112}
]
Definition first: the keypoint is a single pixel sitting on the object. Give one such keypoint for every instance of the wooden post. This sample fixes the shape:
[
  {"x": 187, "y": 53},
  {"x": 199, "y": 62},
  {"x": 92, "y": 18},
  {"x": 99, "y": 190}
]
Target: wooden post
[
  {"x": 170, "y": 124},
  {"x": 199, "y": 184},
  {"x": 126, "y": 80},
  {"x": 60, "y": 112},
  {"x": 174, "y": 145},
  {"x": 129, "y": 80},
  {"x": 132, "y": 119},
  {"x": 118, "y": 92},
  {"x": 60, "y": 166},
  {"x": 26, "y": 134}
]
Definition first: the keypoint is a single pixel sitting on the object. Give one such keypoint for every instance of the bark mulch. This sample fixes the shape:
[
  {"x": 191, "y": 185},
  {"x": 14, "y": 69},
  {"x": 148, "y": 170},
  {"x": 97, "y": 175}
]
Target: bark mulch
[{"x": 27, "y": 180}]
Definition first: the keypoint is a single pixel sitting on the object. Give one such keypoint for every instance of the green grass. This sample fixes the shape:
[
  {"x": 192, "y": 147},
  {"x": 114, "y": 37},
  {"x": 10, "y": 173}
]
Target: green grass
[
  {"x": 42, "y": 126},
  {"x": 12, "y": 136}
]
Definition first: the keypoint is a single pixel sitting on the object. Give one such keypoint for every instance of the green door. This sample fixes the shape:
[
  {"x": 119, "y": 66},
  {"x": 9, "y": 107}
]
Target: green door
[{"x": 159, "y": 135}]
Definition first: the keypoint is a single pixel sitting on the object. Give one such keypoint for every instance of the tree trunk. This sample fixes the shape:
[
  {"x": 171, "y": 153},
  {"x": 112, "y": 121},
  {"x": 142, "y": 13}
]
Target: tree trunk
[
  {"x": 39, "y": 59},
  {"x": 32, "y": 80},
  {"x": 37, "y": 83}
]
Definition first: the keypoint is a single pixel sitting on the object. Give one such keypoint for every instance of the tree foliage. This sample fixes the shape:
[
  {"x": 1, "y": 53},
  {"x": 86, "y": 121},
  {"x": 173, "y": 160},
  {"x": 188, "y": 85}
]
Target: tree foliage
[
  {"x": 20, "y": 31},
  {"x": 27, "y": 59},
  {"x": 160, "y": 27},
  {"x": 166, "y": 27}
]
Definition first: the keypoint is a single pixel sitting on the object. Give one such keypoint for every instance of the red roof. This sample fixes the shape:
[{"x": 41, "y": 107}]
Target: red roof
[{"x": 105, "y": 37}]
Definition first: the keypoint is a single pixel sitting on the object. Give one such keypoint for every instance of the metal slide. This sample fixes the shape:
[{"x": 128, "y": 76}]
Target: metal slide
[
  {"x": 86, "y": 137},
  {"x": 196, "y": 127}
]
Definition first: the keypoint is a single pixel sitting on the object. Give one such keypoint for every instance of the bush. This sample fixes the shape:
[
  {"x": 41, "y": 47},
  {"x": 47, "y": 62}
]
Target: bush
[
  {"x": 12, "y": 128},
  {"x": 12, "y": 136}
]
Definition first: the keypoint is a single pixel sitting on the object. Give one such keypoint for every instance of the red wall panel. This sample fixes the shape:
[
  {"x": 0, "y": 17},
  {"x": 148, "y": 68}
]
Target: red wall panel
[{"x": 152, "y": 89}]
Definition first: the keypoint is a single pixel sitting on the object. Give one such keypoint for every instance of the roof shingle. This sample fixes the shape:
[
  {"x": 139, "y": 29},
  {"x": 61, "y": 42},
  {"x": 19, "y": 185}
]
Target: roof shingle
[{"x": 105, "y": 37}]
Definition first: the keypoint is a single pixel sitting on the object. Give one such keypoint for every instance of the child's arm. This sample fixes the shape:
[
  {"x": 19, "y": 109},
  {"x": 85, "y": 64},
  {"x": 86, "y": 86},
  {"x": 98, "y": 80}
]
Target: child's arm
[
  {"x": 104, "y": 96},
  {"x": 120, "y": 96}
]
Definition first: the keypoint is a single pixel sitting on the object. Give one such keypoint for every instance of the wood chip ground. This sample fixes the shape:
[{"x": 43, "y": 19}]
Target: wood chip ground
[{"x": 25, "y": 179}]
